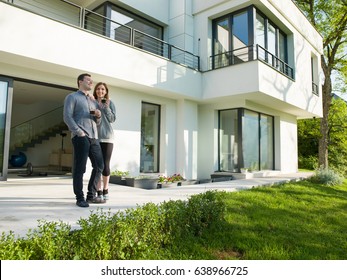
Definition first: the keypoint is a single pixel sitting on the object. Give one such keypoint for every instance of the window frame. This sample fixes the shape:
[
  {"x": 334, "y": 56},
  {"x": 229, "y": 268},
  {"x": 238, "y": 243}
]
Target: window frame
[
  {"x": 156, "y": 158},
  {"x": 252, "y": 14},
  {"x": 240, "y": 112}
]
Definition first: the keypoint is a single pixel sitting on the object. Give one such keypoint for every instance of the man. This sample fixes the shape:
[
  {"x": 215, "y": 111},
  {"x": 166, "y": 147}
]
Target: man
[{"x": 82, "y": 118}]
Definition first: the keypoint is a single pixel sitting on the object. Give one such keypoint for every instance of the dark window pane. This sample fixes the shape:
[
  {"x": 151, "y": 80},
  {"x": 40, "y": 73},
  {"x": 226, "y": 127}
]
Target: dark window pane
[
  {"x": 228, "y": 140},
  {"x": 150, "y": 123}
]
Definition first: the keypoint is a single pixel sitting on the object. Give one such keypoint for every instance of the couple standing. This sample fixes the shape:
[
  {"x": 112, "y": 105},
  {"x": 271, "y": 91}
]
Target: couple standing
[{"x": 89, "y": 117}]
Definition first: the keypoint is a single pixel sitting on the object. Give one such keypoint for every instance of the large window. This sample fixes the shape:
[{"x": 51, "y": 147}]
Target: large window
[
  {"x": 231, "y": 39},
  {"x": 126, "y": 18},
  {"x": 150, "y": 124},
  {"x": 246, "y": 140},
  {"x": 235, "y": 36},
  {"x": 270, "y": 38},
  {"x": 124, "y": 26},
  {"x": 5, "y": 86}
]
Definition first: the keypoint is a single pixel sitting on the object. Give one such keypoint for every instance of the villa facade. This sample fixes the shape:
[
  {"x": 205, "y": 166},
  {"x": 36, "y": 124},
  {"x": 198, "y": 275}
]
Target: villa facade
[{"x": 199, "y": 86}]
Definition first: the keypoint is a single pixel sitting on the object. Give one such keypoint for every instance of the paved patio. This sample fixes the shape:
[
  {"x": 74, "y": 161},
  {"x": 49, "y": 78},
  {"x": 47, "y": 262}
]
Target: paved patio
[{"x": 24, "y": 201}]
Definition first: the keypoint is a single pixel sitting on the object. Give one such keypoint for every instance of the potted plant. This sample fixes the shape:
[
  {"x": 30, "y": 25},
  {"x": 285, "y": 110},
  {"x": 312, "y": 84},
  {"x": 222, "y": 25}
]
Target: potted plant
[
  {"x": 118, "y": 177},
  {"x": 175, "y": 178},
  {"x": 143, "y": 182},
  {"x": 161, "y": 180}
]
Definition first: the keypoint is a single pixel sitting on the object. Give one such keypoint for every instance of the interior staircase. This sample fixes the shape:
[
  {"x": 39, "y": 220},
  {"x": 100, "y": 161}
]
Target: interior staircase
[
  {"x": 36, "y": 130},
  {"x": 39, "y": 138}
]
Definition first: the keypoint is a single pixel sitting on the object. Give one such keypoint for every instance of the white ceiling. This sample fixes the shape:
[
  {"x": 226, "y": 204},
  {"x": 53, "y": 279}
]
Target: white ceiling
[{"x": 28, "y": 93}]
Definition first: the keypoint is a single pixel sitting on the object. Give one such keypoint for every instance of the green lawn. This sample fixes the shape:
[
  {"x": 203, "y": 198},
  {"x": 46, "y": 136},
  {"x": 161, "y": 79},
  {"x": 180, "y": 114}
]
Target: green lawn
[{"x": 295, "y": 221}]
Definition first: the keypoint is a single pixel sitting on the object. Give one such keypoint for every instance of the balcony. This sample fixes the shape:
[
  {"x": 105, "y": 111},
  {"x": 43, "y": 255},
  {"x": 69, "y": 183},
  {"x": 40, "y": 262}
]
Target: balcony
[
  {"x": 246, "y": 54},
  {"x": 67, "y": 12}
]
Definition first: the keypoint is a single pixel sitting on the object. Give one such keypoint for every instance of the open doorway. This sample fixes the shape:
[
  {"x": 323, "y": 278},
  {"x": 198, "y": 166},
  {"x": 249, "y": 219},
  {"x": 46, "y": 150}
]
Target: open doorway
[{"x": 39, "y": 139}]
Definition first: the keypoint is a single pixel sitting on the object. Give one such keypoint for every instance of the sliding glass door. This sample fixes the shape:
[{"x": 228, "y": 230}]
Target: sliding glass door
[
  {"x": 246, "y": 140},
  {"x": 5, "y": 121}
]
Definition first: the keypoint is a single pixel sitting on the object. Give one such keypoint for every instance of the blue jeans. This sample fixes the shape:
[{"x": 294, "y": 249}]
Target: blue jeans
[{"x": 85, "y": 147}]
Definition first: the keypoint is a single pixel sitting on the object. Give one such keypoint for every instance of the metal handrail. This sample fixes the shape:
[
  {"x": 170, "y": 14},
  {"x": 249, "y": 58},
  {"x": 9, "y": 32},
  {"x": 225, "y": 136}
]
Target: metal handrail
[
  {"x": 94, "y": 22},
  {"x": 246, "y": 54},
  {"x": 272, "y": 60},
  {"x": 233, "y": 57}
]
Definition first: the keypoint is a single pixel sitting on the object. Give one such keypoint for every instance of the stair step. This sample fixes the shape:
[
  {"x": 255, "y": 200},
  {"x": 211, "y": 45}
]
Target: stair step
[{"x": 38, "y": 139}]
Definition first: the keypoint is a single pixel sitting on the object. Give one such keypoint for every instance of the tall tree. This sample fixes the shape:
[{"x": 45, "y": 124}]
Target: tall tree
[{"x": 329, "y": 17}]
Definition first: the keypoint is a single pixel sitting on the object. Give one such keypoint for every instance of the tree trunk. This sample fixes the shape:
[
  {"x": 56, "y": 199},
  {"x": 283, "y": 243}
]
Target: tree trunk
[{"x": 323, "y": 151}]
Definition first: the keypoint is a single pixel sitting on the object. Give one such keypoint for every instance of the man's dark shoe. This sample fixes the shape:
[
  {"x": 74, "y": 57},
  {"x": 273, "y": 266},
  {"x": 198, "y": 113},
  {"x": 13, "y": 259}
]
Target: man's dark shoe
[
  {"x": 96, "y": 200},
  {"x": 82, "y": 203}
]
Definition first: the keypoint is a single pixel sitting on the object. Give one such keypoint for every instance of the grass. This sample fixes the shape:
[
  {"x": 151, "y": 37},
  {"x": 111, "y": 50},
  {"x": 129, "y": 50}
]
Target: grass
[{"x": 294, "y": 221}]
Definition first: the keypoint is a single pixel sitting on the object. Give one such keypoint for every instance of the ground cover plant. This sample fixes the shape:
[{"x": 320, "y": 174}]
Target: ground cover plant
[{"x": 298, "y": 220}]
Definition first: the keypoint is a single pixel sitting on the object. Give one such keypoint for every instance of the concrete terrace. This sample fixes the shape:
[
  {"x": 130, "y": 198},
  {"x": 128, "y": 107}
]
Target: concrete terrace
[{"x": 24, "y": 201}]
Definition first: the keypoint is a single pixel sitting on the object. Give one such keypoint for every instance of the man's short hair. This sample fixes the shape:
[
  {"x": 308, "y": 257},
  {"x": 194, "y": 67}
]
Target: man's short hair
[{"x": 81, "y": 78}]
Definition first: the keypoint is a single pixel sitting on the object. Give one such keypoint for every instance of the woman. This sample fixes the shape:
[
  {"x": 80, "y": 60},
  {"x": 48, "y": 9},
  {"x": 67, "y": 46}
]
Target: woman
[{"x": 105, "y": 133}]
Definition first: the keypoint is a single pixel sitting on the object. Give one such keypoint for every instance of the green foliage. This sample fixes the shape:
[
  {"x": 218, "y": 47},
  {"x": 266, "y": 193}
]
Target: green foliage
[
  {"x": 140, "y": 233},
  {"x": 50, "y": 241},
  {"x": 329, "y": 18},
  {"x": 327, "y": 177},
  {"x": 309, "y": 135},
  {"x": 308, "y": 138},
  {"x": 309, "y": 162},
  {"x": 120, "y": 173}
]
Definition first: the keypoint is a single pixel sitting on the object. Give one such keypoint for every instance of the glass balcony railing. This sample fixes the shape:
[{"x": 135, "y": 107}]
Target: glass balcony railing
[{"x": 67, "y": 12}]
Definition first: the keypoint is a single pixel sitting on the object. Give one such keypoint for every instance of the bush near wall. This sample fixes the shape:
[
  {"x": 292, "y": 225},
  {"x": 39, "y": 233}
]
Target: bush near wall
[{"x": 134, "y": 234}]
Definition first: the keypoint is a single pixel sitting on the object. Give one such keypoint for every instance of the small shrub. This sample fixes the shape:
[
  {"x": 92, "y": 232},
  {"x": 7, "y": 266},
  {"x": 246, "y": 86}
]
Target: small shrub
[
  {"x": 137, "y": 233},
  {"x": 12, "y": 248},
  {"x": 205, "y": 210},
  {"x": 327, "y": 177},
  {"x": 94, "y": 241}
]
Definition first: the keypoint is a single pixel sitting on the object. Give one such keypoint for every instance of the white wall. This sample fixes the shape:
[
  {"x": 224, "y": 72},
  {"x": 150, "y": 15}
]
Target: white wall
[
  {"x": 181, "y": 27},
  {"x": 127, "y": 128},
  {"x": 208, "y": 142},
  {"x": 187, "y": 139},
  {"x": 286, "y": 146}
]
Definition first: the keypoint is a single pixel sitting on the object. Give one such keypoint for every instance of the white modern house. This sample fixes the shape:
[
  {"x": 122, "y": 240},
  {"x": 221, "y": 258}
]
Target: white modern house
[{"x": 199, "y": 86}]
